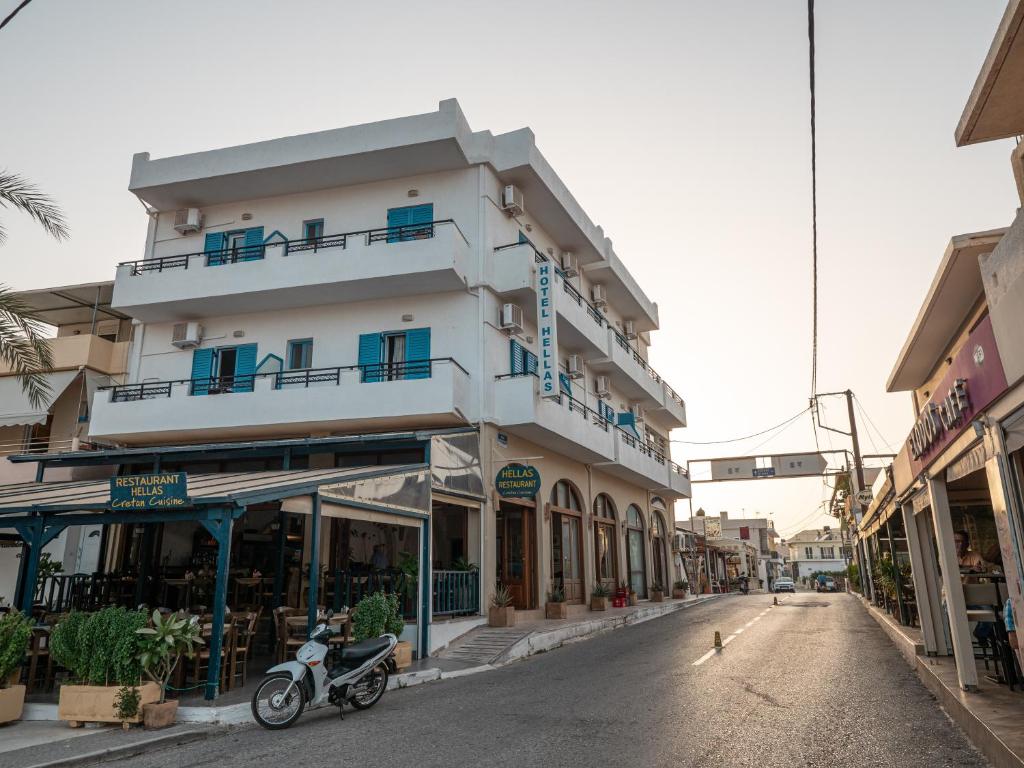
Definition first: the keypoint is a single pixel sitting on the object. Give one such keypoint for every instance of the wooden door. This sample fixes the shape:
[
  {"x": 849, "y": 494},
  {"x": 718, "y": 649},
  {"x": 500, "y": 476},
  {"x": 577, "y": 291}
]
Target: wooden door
[
  {"x": 514, "y": 545},
  {"x": 566, "y": 556},
  {"x": 606, "y": 566}
]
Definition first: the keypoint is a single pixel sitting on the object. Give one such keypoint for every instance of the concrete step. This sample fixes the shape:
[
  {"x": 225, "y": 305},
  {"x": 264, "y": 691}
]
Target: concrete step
[{"x": 484, "y": 644}]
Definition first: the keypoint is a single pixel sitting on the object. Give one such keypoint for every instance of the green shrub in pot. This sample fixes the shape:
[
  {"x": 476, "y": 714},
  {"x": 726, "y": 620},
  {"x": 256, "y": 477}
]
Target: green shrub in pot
[
  {"x": 15, "y": 633},
  {"x": 376, "y": 614}
]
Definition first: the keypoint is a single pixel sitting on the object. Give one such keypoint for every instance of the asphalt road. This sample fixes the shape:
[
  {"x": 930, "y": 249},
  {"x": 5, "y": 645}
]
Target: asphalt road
[{"x": 812, "y": 682}]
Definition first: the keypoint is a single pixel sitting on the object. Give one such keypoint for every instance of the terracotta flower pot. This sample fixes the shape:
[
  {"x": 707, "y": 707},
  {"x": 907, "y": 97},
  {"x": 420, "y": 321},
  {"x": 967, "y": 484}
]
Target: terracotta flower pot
[
  {"x": 12, "y": 701},
  {"x": 678, "y": 594},
  {"x": 555, "y": 610},
  {"x": 633, "y": 599},
  {"x": 599, "y": 603},
  {"x": 504, "y": 616},
  {"x": 657, "y": 596},
  {"x": 157, "y": 716}
]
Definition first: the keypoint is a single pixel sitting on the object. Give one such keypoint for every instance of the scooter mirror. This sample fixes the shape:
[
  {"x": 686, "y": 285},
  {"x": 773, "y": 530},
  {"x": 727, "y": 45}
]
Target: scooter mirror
[{"x": 330, "y": 613}]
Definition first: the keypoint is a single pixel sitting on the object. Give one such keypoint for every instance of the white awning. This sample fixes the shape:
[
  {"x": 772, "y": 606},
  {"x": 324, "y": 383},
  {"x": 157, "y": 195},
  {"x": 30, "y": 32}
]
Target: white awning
[{"x": 15, "y": 407}]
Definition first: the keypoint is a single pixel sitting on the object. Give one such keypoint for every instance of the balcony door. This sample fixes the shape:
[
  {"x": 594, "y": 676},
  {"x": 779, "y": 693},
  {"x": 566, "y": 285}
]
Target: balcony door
[
  {"x": 606, "y": 565},
  {"x": 636, "y": 560},
  {"x": 515, "y": 553}
]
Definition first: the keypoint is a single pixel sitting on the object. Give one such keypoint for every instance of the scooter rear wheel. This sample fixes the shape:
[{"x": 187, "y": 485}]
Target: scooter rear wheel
[
  {"x": 277, "y": 703},
  {"x": 371, "y": 687}
]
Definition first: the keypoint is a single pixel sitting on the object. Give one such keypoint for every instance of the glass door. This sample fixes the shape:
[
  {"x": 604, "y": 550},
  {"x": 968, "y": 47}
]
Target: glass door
[{"x": 637, "y": 565}]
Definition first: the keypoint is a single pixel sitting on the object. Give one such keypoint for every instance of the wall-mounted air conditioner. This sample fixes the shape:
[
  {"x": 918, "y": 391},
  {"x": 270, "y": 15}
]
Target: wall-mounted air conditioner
[
  {"x": 575, "y": 367},
  {"x": 629, "y": 329},
  {"x": 187, "y": 220},
  {"x": 570, "y": 264},
  {"x": 512, "y": 318},
  {"x": 186, "y": 335},
  {"x": 601, "y": 388},
  {"x": 512, "y": 200},
  {"x": 637, "y": 410},
  {"x": 599, "y": 295}
]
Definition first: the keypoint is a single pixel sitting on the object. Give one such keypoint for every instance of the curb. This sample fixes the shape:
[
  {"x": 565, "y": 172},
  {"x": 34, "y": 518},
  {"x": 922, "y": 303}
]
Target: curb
[{"x": 128, "y": 750}]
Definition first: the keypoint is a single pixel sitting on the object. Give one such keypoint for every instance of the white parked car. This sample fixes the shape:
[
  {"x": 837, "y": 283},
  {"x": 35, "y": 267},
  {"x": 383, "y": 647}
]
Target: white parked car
[{"x": 784, "y": 584}]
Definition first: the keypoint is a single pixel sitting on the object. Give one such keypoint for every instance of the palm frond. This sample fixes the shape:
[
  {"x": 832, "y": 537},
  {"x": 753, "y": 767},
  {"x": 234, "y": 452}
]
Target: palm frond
[
  {"x": 23, "y": 348},
  {"x": 17, "y": 192}
]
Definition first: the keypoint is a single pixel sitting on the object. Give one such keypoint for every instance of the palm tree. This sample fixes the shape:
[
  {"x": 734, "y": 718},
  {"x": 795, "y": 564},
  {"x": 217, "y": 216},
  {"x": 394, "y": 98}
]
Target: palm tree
[{"x": 23, "y": 348}]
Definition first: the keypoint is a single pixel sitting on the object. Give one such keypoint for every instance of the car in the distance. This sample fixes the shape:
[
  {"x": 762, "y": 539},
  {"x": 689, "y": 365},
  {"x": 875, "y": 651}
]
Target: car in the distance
[
  {"x": 827, "y": 584},
  {"x": 784, "y": 584}
]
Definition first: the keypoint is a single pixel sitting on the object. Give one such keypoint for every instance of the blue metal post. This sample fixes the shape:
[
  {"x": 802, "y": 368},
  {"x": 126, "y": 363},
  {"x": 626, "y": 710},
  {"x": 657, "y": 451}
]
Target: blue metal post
[
  {"x": 282, "y": 521},
  {"x": 314, "y": 562},
  {"x": 220, "y": 529},
  {"x": 37, "y": 535},
  {"x": 426, "y": 585}
]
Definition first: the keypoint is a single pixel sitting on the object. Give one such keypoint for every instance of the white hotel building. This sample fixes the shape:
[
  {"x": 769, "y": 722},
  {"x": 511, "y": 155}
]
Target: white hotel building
[{"x": 350, "y": 297}]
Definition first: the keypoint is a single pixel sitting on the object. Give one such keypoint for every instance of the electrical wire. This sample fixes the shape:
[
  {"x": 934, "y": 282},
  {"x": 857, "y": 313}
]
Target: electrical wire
[
  {"x": 12, "y": 14},
  {"x": 887, "y": 443},
  {"x": 814, "y": 204},
  {"x": 746, "y": 437}
]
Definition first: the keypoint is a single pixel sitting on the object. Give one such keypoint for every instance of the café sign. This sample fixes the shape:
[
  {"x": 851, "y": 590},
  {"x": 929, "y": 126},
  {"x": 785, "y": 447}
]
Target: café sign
[
  {"x": 974, "y": 379},
  {"x": 517, "y": 481},
  {"x": 161, "y": 490}
]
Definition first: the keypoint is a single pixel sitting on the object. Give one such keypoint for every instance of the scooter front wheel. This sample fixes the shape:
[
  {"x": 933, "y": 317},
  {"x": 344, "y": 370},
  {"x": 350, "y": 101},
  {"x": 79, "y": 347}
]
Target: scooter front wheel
[{"x": 278, "y": 702}]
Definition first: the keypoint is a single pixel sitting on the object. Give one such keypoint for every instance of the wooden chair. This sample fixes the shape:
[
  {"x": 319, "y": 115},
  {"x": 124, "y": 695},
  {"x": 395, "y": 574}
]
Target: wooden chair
[
  {"x": 286, "y": 640},
  {"x": 39, "y": 659},
  {"x": 201, "y": 660},
  {"x": 243, "y": 636}
]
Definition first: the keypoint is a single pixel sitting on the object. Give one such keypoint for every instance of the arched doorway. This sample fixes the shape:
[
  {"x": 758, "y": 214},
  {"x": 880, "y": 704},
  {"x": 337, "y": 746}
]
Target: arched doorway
[
  {"x": 606, "y": 566},
  {"x": 636, "y": 559},
  {"x": 658, "y": 544},
  {"x": 566, "y": 540}
]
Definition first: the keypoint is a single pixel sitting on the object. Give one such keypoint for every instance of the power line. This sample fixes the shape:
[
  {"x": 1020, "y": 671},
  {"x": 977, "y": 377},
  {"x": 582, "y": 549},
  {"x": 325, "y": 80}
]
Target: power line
[
  {"x": 746, "y": 437},
  {"x": 12, "y": 14},
  {"x": 863, "y": 410},
  {"x": 814, "y": 205}
]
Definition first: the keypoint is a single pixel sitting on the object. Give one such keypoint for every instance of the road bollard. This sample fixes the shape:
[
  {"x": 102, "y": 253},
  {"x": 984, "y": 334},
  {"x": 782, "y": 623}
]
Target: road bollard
[
  {"x": 775, "y": 600},
  {"x": 718, "y": 640}
]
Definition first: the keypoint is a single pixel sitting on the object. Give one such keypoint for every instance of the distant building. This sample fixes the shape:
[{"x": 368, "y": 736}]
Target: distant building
[
  {"x": 757, "y": 532},
  {"x": 816, "y": 549}
]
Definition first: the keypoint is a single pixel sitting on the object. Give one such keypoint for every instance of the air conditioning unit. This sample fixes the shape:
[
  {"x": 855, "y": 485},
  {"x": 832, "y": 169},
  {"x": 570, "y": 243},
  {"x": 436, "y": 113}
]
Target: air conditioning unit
[
  {"x": 187, "y": 335},
  {"x": 601, "y": 388},
  {"x": 512, "y": 318},
  {"x": 599, "y": 294},
  {"x": 629, "y": 329},
  {"x": 512, "y": 200},
  {"x": 570, "y": 264},
  {"x": 188, "y": 220},
  {"x": 107, "y": 328},
  {"x": 575, "y": 367},
  {"x": 637, "y": 410}
]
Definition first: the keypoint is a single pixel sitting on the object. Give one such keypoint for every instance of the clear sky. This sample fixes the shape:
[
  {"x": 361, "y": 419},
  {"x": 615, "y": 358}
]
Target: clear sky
[{"x": 681, "y": 127}]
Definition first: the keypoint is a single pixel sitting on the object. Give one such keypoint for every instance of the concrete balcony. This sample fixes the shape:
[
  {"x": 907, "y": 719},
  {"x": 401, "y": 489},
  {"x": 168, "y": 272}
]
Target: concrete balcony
[
  {"x": 637, "y": 380},
  {"x": 671, "y": 414},
  {"x": 640, "y": 464},
  {"x": 566, "y": 426},
  {"x": 85, "y": 351},
  {"x": 581, "y": 326},
  {"x": 292, "y": 403},
  {"x": 357, "y": 266}
]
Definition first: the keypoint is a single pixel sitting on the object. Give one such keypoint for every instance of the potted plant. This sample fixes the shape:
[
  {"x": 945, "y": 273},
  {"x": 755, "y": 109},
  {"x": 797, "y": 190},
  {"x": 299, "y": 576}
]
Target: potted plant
[
  {"x": 161, "y": 646},
  {"x": 501, "y": 612},
  {"x": 679, "y": 590},
  {"x": 15, "y": 633},
  {"x": 376, "y": 614},
  {"x": 657, "y": 592},
  {"x": 599, "y": 597},
  {"x": 101, "y": 651},
  {"x": 556, "y": 607},
  {"x": 634, "y": 599}
]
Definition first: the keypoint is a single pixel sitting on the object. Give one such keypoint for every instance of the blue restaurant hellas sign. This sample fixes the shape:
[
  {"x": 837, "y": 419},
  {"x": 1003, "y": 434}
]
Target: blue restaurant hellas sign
[
  {"x": 517, "y": 481},
  {"x": 161, "y": 490}
]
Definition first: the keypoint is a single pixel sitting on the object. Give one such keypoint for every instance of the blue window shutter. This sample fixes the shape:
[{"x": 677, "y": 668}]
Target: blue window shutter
[
  {"x": 628, "y": 423},
  {"x": 564, "y": 383},
  {"x": 517, "y": 354},
  {"x": 253, "y": 244},
  {"x": 245, "y": 367},
  {"x": 417, "y": 350},
  {"x": 214, "y": 242},
  {"x": 369, "y": 356},
  {"x": 397, "y": 217},
  {"x": 421, "y": 214},
  {"x": 531, "y": 362},
  {"x": 523, "y": 238},
  {"x": 408, "y": 216},
  {"x": 202, "y": 369}
]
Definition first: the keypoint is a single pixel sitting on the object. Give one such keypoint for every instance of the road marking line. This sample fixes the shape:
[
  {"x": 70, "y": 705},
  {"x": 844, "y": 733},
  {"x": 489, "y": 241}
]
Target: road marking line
[
  {"x": 749, "y": 623},
  {"x": 739, "y": 630},
  {"x": 728, "y": 640},
  {"x": 704, "y": 658}
]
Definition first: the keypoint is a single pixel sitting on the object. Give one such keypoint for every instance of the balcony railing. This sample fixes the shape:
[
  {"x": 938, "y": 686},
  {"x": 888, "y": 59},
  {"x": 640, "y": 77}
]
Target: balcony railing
[
  {"x": 300, "y": 378},
  {"x": 455, "y": 593},
  {"x": 642, "y": 446},
  {"x": 223, "y": 256},
  {"x": 575, "y": 405}
]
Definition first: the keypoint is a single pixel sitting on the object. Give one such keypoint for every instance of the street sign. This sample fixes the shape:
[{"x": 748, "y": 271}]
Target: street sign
[
  {"x": 764, "y": 471},
  {"x": 799, "y": 464},
  {"x": 517, "y": 481},
  {"x": 864, "y": 497},
  {"x": 760, "y": 467},
  {"x": 162, "y": 490}
]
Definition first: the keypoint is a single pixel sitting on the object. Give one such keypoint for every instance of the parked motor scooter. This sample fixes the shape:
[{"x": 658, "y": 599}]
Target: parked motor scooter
[{"x": 358, "y": 676}]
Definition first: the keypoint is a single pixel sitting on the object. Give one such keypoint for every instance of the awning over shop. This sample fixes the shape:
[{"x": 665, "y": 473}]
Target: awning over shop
[
  {"x": 15, "y": 408},
  {"x": 221, "y": 489}
]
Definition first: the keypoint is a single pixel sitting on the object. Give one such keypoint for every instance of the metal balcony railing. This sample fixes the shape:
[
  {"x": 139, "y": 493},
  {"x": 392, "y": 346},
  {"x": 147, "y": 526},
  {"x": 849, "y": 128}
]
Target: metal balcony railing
[
  {"x": 220, "y": 257},
  {"x": 299, "y": 378}
]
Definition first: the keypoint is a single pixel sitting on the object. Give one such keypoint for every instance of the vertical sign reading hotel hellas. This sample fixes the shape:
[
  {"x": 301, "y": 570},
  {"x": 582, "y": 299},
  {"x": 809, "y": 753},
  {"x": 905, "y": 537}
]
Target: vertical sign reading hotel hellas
[
  {"x": 974, "y": 379},
  {"x": 547, "y": 330}
]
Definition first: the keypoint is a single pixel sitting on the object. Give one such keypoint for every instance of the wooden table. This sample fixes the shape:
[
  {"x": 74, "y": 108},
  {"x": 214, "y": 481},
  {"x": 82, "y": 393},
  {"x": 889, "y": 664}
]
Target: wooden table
[{"x": 253, "y": 585}]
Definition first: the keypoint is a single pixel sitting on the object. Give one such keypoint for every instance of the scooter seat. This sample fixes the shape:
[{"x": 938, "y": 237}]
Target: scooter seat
[{"x": 360, "y": 652}]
